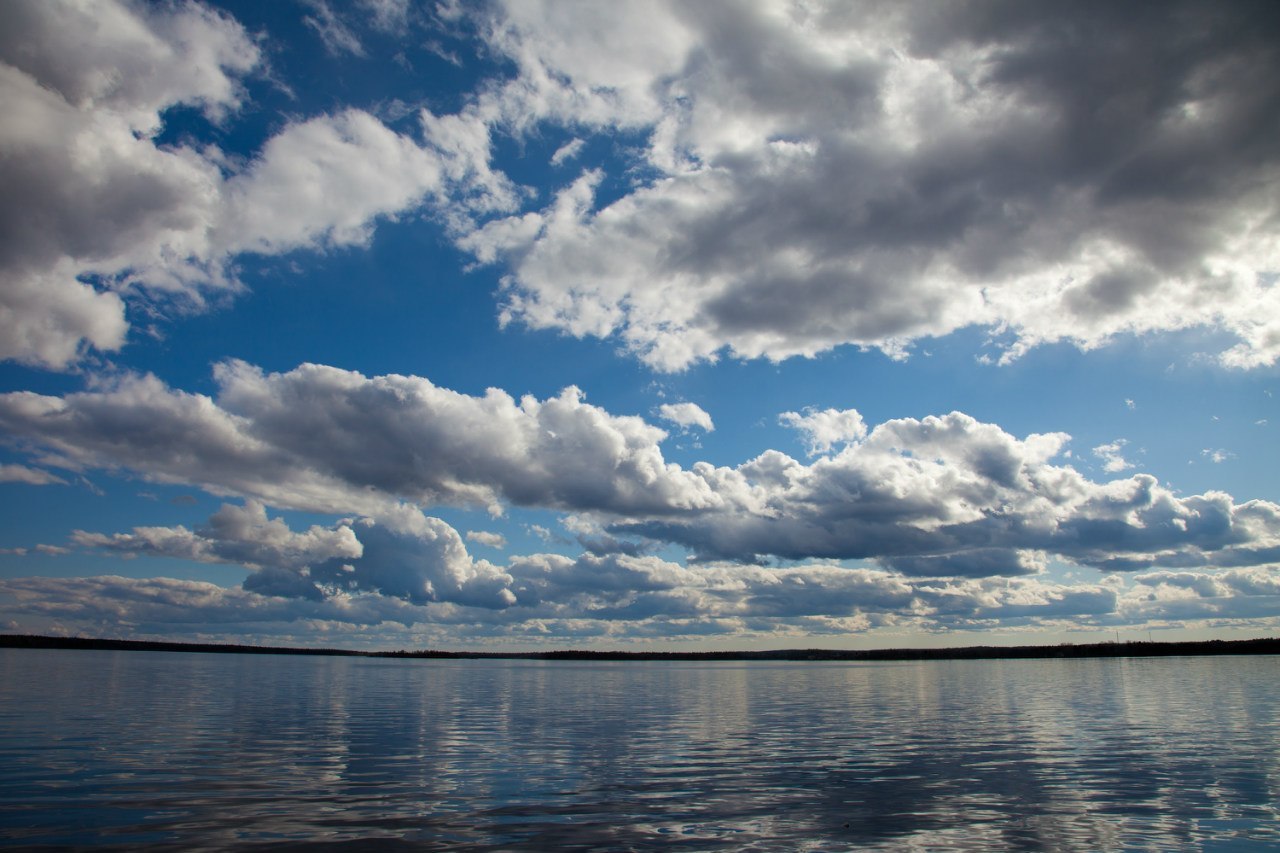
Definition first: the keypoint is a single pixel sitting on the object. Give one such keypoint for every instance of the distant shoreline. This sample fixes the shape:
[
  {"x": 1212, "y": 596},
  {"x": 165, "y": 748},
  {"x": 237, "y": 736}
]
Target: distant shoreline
[{"x": 1267, "y": 646}]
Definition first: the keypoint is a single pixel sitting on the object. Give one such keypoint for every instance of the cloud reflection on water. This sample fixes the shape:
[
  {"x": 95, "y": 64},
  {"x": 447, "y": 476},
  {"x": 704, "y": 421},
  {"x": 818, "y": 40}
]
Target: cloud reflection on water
[{"x": 219, "y": 751}]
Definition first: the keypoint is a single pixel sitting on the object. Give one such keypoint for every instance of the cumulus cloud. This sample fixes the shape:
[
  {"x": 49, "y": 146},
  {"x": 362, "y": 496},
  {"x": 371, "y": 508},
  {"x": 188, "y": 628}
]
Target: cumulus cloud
[
  {"x": 329, "y": 440},
  {"x": 88, "y": 192},
  {"x": 323, "y": 182},
  {"x": 111, "y": 604},
  {"x": 838, "y": 174},
  {"x": 1112, "y": 456},
  {"x": 421, "y": 564},
  {"x": 825, "y": 429},
  {"x": 1238, "y": 594},
  {"x": 239, "y": 535},
  {"x": 958, "y": 493},
  {"x": 99, "y": 215},
  {"x": 552, "y": 595},
  {"x": 685, "y": 415},
  {"x": 876, "y": 179},
  {"x": 942, "y": 495},
  {"x": 429, "y": 564},
  {"x": 486, "y": 537}
]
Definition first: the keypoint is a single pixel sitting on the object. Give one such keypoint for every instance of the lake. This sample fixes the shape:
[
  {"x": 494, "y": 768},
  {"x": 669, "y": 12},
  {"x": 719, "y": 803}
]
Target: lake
[{"x": 224, "y": 751}]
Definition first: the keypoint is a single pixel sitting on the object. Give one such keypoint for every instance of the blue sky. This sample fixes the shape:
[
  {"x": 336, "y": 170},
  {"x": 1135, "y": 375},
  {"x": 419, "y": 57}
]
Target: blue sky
[{"x": 526, "y": 325}]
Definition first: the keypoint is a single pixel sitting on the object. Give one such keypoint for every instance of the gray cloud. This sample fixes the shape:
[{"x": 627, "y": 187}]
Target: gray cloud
[
  {"x": 88, "y": 193},
  {"x": 589, "y": 596},
  {"x": 848, "y": 174},
  {"x": 854, "y": 174},
  {"x": 96, "y": 213},
  {"x": 961, "y": 497},
  {"x": 30, "y": 476},
  {"x": 324, "y": 439},
  {"x": 423, "y": 563},
  {"x": 1236, "y": 595},
  {"x": 948, "y": 492},
  {"x": 973, "y": 563},
  {"x": 239, "y": 535}
]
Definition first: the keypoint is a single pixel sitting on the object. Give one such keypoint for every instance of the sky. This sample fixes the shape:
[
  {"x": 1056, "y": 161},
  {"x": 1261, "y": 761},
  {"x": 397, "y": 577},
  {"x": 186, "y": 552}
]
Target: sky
[{"x": 639, "y": 325}]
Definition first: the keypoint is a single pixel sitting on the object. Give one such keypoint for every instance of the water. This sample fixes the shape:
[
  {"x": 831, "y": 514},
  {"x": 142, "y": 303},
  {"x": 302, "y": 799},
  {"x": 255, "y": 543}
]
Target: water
[{"x": 215, "y": 752}]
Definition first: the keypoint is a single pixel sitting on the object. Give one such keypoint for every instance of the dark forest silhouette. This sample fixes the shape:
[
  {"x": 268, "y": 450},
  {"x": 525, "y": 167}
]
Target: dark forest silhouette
[{"x": 1267, "y": 646}]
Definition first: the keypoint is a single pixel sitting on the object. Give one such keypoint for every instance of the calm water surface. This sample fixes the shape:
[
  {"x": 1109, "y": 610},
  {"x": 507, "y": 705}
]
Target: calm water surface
[{"x": 214, "y": 752}]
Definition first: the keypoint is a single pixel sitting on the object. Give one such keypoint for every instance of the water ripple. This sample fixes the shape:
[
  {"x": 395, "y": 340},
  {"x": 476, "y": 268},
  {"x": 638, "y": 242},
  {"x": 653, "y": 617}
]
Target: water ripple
[{"x": 217, "y": 752}]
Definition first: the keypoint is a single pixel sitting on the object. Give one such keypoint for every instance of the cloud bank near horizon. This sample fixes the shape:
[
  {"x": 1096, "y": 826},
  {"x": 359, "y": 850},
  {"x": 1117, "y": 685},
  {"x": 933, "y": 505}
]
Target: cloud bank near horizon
[{"x": 942, "y": 496}]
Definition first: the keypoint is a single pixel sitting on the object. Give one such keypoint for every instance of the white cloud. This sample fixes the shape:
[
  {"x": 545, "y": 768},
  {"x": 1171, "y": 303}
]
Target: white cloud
[
  {"x": 96, "y": 210},
  {"x": 428, "y": 563},
  {"x": 685, "y": 415},
  {"x": 487, "y": 537},
  {"x": 238, "y": 535},
  {"x": 391, "y": 16},
  {"x": 1112, "y": 456},
  {"x": 1180, "y": 596},
  {"x": 323, "y": 182},
  {"x": 938, "y": 495},
  {"x": 337, "y": 36},
  {"x": 1217, "y": 456},
  {"x": 551, "y": 595},
  {"x": 88, "y": 192},
  {"x": 567, "y": 152},
  {"x": 883, "y": 178},
  {"x": 329, "y": 440},
  {"x": 825, "y": 429}
]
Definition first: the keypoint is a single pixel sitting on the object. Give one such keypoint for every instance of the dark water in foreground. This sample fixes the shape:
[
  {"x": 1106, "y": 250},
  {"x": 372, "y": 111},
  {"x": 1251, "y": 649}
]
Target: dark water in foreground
[{"x": 199, "y": 751}]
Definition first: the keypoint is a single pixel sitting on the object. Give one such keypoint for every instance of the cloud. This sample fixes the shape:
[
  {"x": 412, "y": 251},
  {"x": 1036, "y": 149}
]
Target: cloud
[
  {"x": 328, "y": 440},
  {"x": 567, "y": 152},
  {"x": 1239, "y": 594},
  {"x": 323, "y": 182},
  {"x": 485, "y": 537},
  {"x": 1217, "y": 456},
  {"x": 953, "y": 492},
  {"x": 98, "y": 215},
  {"x": 880, "y": 178},
  {"x": 975, "y": 563},
  {"x": 90, "y": 198},
  {"x": 109, "y": 605},
  {"x": 238, "y": 535},
  {"x": 949, "y": 490},
  {"x": 389, "y": 16},
  {"x": 1112, "y": 456},
  {"x": 425, "y": 563},
  {"x": 552, "y": 595},
  {"x": 825, "y": 429},
  {"x": 877, "y": 179},
  {"x": 338, "y": 38},
  {"x": 30, "y": 476},
  {"x": 685, "y": 415}
]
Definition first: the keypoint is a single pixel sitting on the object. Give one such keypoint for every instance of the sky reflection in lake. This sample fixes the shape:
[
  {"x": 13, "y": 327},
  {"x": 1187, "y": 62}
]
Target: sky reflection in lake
[{"x": 220, "y": 751}]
